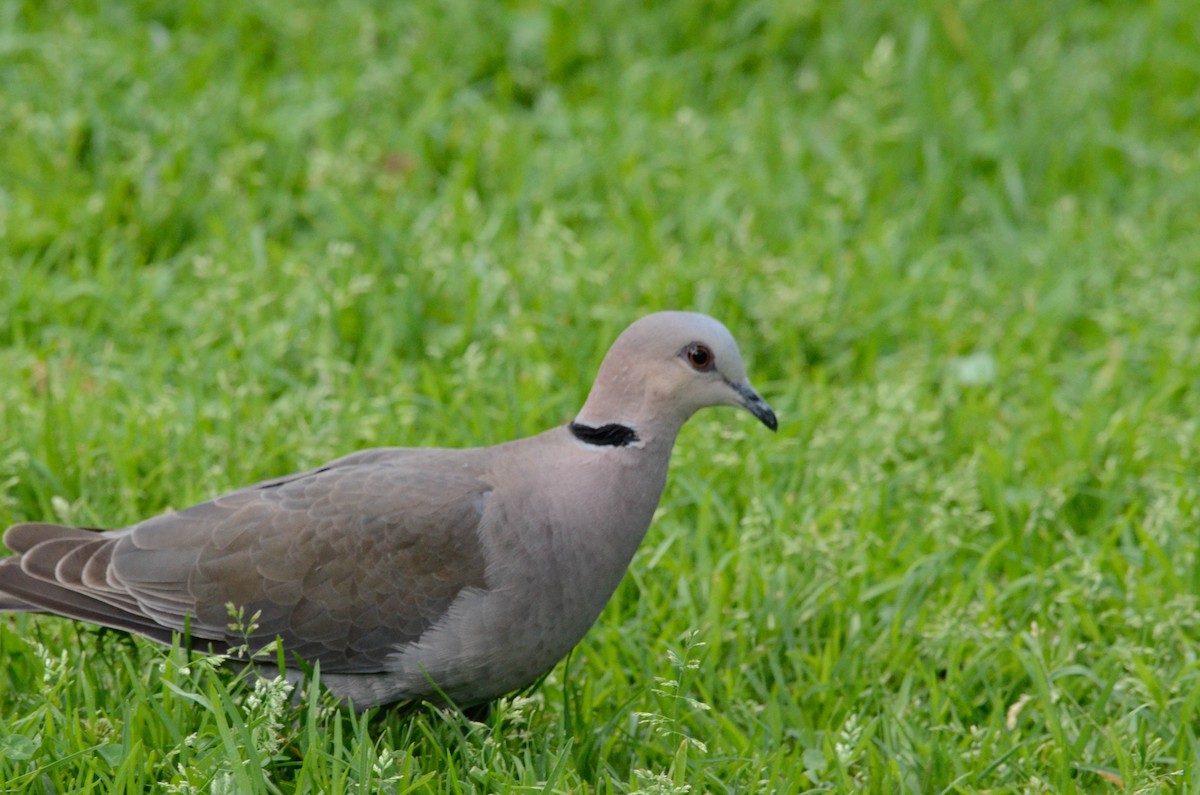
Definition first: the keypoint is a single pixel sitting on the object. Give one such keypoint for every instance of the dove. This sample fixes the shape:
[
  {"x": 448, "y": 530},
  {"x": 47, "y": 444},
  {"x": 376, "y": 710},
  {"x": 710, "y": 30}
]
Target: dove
[{"x": 410, "y": 574}]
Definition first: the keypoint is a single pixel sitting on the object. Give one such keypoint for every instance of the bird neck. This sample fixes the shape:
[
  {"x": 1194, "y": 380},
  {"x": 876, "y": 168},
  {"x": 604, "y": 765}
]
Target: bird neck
[{"x": 622, "y": 410}]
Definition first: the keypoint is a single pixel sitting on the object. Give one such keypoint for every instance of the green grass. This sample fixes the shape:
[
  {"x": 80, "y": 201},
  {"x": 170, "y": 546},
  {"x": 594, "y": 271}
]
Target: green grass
[{"x": 957, "y": 242}]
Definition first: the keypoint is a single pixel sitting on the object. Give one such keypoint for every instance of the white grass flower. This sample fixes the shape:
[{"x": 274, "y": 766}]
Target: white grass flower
[
  {"x": 651, "y": 783},
  {"x": 267, "y": 705}
]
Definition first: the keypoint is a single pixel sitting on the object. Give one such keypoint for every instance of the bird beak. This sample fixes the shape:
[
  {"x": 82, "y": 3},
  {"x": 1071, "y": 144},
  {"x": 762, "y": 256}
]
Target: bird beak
[{"x": 753, "y": 403}]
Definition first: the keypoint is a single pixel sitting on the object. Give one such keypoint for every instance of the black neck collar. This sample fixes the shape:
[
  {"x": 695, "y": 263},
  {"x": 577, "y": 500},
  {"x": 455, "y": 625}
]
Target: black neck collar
[{"x": 611, "y": 435}]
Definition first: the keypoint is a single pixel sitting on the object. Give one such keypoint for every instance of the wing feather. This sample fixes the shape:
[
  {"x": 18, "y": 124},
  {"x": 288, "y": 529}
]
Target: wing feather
[{"x": 347, "y": 563}]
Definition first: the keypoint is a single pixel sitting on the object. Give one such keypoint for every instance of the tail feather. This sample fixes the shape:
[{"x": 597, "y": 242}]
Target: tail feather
[
  {"x": 11, "y": 604},
  {"x": 47, "y": 597},
  {"x": 48, "y": 573},
  {"x": 20, "y": 538}
]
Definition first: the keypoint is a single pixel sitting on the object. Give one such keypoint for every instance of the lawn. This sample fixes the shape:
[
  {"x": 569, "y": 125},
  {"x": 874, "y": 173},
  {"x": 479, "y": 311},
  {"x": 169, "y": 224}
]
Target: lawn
[{"x": 958, "y": 243}]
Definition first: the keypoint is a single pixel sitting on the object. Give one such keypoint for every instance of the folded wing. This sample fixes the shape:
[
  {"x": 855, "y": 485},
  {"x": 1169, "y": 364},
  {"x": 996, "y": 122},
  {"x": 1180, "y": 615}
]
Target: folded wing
[{"x": 347, "y": 564}]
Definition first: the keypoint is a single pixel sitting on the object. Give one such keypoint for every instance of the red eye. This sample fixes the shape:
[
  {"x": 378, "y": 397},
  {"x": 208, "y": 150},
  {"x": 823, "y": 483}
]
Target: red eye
[{"x": 699, "y": 356}]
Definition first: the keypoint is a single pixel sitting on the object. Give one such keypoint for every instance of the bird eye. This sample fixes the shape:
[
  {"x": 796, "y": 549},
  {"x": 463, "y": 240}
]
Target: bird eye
[{"x": 699, "y": 356}]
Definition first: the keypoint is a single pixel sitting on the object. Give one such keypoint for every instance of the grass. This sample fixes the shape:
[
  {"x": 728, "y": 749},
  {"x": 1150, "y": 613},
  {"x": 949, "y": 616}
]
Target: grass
[{"x": 957, "y": 243}]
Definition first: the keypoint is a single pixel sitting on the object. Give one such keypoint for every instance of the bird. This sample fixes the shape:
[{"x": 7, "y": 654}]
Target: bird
[{"x": 410, "y": 574}]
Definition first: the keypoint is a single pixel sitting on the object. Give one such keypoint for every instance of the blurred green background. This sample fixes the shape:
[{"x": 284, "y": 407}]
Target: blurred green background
[{"x": 957, "y": 242}]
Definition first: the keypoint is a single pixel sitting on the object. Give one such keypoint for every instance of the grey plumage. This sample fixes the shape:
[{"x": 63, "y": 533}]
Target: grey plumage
[{"x": 409, "y": 573}]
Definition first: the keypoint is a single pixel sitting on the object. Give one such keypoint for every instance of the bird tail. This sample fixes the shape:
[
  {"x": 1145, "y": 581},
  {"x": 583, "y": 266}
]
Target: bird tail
[
  {"x": 20, "y": 538},
  {"x": 11, "y": 604}
]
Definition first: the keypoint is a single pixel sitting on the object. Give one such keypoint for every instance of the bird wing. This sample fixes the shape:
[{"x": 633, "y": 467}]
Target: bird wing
[{"x": 346, "y": 564}]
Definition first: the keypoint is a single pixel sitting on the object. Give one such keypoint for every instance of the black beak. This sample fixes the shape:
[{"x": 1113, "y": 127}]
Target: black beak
[{"x": 753, "y": 403}]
